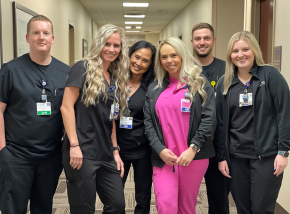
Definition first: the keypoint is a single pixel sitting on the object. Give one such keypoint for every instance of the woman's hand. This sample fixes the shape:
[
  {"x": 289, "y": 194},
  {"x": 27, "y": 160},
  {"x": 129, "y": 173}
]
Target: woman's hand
[
  {"x": 168, "y": 157},
  {"x": 76, "y": 157},
  {"x": 224, "y": 168},
  {"x": 280, "y": 164},
  {"x": 119, "y": 162},
  {"x": 186, "y": 157}
]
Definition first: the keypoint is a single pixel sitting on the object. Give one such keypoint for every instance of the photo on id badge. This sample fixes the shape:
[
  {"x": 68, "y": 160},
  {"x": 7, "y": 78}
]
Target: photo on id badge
[{"x": 246, "y": 99}]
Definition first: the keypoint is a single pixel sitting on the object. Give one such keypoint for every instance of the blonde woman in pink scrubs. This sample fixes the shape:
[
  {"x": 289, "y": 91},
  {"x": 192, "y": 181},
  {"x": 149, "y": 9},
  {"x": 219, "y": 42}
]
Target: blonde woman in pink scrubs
[{"x": 179, "y": 122}]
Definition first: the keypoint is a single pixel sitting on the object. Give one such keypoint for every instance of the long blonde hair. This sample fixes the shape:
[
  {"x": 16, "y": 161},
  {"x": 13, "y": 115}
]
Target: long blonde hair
[
  {"x": 190, "y": 71},
  {"x": 94, "y": 82},
  {"x": 230, "y": 66}
]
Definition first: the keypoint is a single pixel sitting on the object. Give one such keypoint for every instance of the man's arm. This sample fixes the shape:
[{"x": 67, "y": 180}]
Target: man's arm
[{"x": 2, "y": 126}]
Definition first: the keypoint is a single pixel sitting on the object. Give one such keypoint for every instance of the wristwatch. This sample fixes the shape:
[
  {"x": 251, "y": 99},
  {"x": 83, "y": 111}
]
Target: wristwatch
[
  {"x": 195, "y": 147},
  {"x": 116, "y": 148},
  {"x": 283, "y": 153}
]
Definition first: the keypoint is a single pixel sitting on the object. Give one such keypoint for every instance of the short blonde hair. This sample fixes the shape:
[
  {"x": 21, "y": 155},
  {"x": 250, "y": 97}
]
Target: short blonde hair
[
  {"x": 230, "y": 66},
  {"x": 38, "y": 18}
]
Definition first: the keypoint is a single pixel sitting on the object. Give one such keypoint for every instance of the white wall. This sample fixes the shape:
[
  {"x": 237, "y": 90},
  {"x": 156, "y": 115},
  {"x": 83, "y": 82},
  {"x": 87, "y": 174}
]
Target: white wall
[
  {"x": 59, "y": 12},
  {"x": 282, "y": 32},
  {"x": 197, "y": 11}
]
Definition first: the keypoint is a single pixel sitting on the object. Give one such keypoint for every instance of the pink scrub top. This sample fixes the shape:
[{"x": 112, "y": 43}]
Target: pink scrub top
[{"x": 174, "y": 123}]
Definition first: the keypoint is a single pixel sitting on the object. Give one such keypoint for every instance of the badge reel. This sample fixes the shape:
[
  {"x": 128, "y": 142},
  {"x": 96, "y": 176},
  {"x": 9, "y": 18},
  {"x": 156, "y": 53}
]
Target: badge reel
[
  {"x": 43, "y": 108},
  {"x": 185, "y": 103},
  {"x": 126, "y": 122},
  {"x": 246, "y": 98},
  {"x": 114, "y": 111},
  {"x": 213, "y": 84}
]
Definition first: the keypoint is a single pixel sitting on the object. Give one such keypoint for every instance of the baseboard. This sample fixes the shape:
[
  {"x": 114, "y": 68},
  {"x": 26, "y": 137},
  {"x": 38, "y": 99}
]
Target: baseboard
[{"x": 279, "y": 209}]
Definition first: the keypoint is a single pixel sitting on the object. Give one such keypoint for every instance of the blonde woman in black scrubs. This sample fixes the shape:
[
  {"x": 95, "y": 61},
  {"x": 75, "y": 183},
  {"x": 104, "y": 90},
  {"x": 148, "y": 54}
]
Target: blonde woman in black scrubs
[{"x": 94, "y": 91}]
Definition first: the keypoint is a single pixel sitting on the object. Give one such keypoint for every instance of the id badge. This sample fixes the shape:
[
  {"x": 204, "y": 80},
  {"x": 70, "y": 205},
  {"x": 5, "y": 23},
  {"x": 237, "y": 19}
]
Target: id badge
[
  {"x": 114, "y": 111},
  {"x": 126, "y": 122},
  {"x": 43, "y": 108},
  {"x": 246, "y": 99},
  {"x": 185, "y": 105}
]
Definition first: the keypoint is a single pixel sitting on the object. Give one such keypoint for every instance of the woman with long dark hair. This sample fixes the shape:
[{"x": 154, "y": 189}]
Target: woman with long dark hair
[{"x": 134, "y": 148}]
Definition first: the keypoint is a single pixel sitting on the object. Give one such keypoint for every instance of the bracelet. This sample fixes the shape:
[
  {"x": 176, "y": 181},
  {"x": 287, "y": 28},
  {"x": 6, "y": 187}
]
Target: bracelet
[{"x": 75, "y": 145}]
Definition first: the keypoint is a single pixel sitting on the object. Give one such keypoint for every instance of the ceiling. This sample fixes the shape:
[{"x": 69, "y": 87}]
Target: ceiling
[{"x": 157, "y": 15}]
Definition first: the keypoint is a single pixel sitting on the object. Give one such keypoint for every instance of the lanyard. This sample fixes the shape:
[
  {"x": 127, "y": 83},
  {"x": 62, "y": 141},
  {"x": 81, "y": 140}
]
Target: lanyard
[
  {"x": 43, "y": 95},
  {"x": 127, "y": 110},
  {"x": 245, "y": 95},
  {"x": 186, "y": 93},
  {"x": 115, "y": 104},
  {"x": 247, "y": 86}
]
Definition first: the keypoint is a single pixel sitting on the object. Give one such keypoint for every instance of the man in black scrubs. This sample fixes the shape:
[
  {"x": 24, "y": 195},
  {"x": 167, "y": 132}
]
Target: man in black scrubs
[
  {"x": 213, "y": 69},
  {"x": 31, "y": 90}
]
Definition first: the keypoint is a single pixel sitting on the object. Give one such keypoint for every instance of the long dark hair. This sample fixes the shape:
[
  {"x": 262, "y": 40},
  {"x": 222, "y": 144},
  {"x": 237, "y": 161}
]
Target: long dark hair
[{"x": 149, "y": 75}]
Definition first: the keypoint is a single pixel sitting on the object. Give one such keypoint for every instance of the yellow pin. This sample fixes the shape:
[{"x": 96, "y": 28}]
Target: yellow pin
[{"x": 213, "y": 83}]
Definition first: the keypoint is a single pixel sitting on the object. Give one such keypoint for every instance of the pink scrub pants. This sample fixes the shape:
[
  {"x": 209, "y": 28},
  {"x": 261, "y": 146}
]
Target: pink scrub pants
[{"x": 176, "y": 192}]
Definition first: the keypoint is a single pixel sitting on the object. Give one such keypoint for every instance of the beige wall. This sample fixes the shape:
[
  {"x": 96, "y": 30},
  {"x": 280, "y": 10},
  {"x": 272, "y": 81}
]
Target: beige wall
[
  {"x": 195, "y": 12},
  {"x": 60, "y": 12},
  {"x": 152, "y": 38},
  {"x": 282, "y": 32},
  {"x": 228, "y": 19},
  {"x": 220, "y": 13}
]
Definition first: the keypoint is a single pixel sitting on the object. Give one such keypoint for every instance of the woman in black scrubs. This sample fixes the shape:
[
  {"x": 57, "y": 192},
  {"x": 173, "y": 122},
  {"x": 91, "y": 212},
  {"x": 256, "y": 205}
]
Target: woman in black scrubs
[
  {"x": 95, "y": 88},
  {"x": 253, "y": 123},
  {"x": 134, "y": 148}
]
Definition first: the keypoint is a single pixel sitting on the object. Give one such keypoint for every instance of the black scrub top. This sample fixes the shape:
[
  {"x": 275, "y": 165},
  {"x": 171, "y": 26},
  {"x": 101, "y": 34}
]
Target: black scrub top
[
  {"x": 241, "y": 131},
  {"x": 93, "y": 126},
  {"x": 27, "y": 134},
  {"x": 133, "y": 142}
]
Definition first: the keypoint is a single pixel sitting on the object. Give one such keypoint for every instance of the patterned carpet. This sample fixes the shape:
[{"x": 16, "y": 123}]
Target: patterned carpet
[{"x": 60, "y": 202}]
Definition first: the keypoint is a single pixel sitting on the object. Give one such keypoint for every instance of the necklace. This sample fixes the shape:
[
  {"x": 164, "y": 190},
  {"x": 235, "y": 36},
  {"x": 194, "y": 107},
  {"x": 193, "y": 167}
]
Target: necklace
[{"x": 129, "y": 89}]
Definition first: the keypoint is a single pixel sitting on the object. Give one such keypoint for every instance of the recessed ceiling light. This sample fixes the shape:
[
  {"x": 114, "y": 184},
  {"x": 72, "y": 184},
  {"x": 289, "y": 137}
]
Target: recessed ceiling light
[
  {"x": 138, "y": 27},
  {"x": 133, "y": 23},
  {"x": 133, "y": 31},
  {"x": 134, "y": 16},
  {"x": 135, "y": 4},
  {"x": 128, "y": 27}
]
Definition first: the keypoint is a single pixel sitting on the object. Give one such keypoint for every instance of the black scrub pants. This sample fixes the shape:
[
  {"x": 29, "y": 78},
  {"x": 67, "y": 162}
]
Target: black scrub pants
[
  {"x": 24, "y": 179},
  {"x": 143, "y": 183},
  {"x": 254, "y": 187},
  {"x": 94, "y": 176},
  {"x": 218, "y": 188}
]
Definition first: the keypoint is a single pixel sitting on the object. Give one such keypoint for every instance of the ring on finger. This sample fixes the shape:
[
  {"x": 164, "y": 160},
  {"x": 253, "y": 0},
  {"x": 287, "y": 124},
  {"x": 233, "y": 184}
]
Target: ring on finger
[{"x": 184, "y": 164}]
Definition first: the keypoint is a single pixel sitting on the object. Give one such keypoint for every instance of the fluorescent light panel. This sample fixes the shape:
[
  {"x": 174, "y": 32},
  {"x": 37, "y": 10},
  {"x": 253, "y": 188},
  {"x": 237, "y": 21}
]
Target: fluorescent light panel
[
  {"x": 128, "y": 27},
  {"x": 134, "y": 16},
  {"x": 135, "y": 4},
  {"x": 133, "y": 23},
  {"x": 133, "y": 31},
  {"x": 138, "y": 27}
]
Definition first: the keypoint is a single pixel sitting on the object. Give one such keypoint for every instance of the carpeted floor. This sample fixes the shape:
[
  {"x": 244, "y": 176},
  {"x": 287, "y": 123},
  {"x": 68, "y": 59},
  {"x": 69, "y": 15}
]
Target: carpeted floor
[{"x": 60, "y": 202}]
